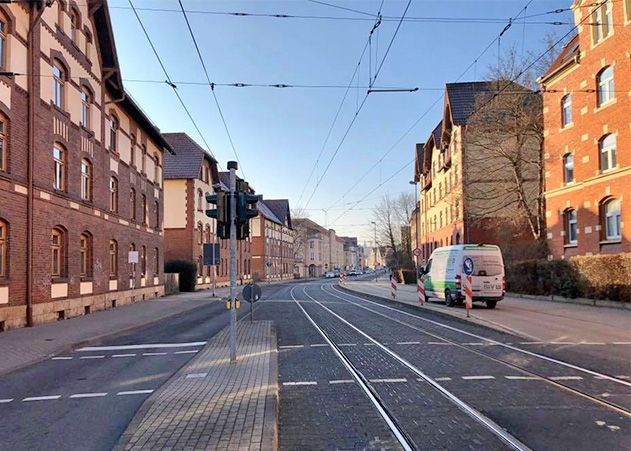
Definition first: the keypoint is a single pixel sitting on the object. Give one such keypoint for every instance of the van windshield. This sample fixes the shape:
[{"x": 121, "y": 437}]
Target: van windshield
[{"x": 487, "y": 265}]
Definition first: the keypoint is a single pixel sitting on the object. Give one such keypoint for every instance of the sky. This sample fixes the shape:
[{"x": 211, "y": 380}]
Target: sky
[{"x": 278, "y": 133}]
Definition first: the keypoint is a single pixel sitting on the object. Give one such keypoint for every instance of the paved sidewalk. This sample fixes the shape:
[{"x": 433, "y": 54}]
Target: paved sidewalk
[
  {"x": 212, "y": 404},
  {"x": 29, "y": 345},
  {"x": 534, "y": 319}
]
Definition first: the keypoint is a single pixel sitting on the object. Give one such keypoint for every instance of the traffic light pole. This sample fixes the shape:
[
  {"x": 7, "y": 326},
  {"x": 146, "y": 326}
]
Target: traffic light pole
[{"x": 232, "y": 166}]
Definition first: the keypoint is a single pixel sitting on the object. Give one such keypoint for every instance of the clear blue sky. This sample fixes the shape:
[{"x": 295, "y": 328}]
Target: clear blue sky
[{"x": 278, "y": 133}]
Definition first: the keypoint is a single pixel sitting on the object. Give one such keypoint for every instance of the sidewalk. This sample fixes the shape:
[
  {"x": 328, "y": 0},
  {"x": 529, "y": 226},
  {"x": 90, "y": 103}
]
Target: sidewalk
[
  {"x": 533, "y": 319},
  {"x": 212, "y": 404},
  {"x": 29, "y": 345}
]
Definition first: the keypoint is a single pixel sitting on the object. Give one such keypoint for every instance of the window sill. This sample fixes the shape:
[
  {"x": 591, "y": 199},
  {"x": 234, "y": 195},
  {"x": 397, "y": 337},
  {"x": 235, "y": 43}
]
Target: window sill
[
  {"x": 566, "y": 127},
  {"x": 606, "y": 104},
  {"x": 59, "y": 109},
  {"x": 573, "y": 182},
  {"x": 86, "y": 278},
  {"x": 571, "y": 245},
  {"x": 613, "y": 241},
  {"x": 607, "y": 171},
  {"x": 59, "y": 280}
]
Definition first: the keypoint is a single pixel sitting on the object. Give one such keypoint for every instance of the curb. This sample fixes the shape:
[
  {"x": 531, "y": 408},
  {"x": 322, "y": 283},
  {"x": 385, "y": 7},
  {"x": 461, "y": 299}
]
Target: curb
[{"x": 577, "y": 301}]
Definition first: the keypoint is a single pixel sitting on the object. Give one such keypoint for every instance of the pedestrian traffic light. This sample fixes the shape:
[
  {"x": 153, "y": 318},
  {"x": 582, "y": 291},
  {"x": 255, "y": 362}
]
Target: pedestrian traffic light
[
  {"x": 246, "y": 209},
  {"x": 221, "y": 213}
]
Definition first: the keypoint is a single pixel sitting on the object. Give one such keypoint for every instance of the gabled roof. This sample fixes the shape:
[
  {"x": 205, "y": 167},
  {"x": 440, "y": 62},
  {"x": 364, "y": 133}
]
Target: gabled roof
[
  {"x": 111, "y": 71},
  {"x": 418, "y": 161},
  {"x": 188, "y": 158},
  {"x": 267, "y": 212},
  {"x": 567, "y": 54},
  {"x": 462, "y": 98},
  {"x": 280, "y": 207}
]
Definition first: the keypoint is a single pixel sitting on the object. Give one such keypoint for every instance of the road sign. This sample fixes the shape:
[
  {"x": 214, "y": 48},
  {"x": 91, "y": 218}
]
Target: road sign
[
  {"x": 467, "y": 283},
  {"x": 211, "y": 254},
  {"x": 467, "y": 266},
  {"x": 417, "y": 252},
  {"x": 132, "y": 257},
  {"x": 251, "y": 292}
]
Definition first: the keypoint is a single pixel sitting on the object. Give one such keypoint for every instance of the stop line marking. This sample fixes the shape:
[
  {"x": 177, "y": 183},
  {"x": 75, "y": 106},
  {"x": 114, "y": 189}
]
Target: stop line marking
[{"x": 141, "y": 346}]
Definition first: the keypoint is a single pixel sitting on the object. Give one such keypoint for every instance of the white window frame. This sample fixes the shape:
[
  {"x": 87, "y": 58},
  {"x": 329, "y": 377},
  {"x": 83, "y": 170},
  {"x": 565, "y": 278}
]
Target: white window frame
[
  {"x": 571, "y": 227},
  {"x": 566, "y": 110},
  {"x": 614, "y": 216},
  {"x": 607, "y": 147},
  {"x": 568, "y": 165},
  {"x": 605, "y": 86}
]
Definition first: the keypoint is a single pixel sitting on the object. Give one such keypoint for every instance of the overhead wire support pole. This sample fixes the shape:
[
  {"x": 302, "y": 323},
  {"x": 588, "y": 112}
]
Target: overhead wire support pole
[{"x": 232, "y": 167}]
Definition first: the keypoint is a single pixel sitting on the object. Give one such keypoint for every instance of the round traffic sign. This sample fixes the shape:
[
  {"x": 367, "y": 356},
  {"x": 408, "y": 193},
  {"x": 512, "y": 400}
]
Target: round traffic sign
[
  {"x": 251, "y": 292},
  {"x": 467, "y": 266},
  {"x": 417, "y": 252}
]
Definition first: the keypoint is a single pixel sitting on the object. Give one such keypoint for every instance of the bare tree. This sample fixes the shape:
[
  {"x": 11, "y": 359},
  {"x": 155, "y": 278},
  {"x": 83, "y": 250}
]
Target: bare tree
[
  {"x": 404, "y": 205},
  {"x": 392, "y": 216}
]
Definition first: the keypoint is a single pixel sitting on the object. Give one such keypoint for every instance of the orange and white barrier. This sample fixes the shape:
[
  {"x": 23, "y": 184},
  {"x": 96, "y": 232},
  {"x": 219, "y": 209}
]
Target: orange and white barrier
[
  {"x": 342, "y": 278},
  {"x": 393, "y": 287},
  {"x": 467, "y": 289},
  {"x": 420, "y": 288}
]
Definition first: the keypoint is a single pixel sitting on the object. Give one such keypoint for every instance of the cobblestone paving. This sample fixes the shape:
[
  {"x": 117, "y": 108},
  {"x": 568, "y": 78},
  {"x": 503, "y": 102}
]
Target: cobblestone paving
[{"x": 212, "y": 404}]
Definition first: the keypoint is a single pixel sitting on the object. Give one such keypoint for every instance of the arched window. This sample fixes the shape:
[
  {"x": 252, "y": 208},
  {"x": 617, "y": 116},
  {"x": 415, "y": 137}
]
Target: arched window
[
  {"x": 85, "y": 254},
  {"x": 143, "y": 261},
  {"x": 200, "y": 266},
  {"x": 156, "y": 206},
  {"x": 156, "y": 262},
  {"x": 113, "y": 124},
  {"x": 132, "y": 266},
  {"x": 207, "y": 234},
  {"x": 200, "y": 233},
  {"x": 3, "y": 145},
  {"x": 156, "y": 169},
  {"x": 200, "y": 200},
  {"x": 86, "y": 101},
  {"x": 74, "y": 25},
  {"x": 568, "y": 168},
  {"x": 604, "y": 83},
  {"x": 86, "y": 180},
  {"x": 113, "y": 194},
  {"x": 566, "y": 110},
  {"x": 607, "y": 150},
  {"x": 4, "y": 249},
  {"x": 133, "y": 149},
  {"x": 143, "y": 162},
  {"x": 143, "y": 202},
  {"x": 59, "y": 80},
  {"x": 113, "y": 258},
  {"x": 57, "y": 251},
  {"x": 610, "y": 212},
  {"x": 571, "y": 227},
  {"x": 59, "y": 165},
  {"x": 132, "y": 203}
]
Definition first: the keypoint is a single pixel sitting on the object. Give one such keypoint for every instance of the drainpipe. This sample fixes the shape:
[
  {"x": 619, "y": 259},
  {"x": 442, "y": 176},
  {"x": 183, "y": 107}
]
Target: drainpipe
[{"x": 33, "y": 58}]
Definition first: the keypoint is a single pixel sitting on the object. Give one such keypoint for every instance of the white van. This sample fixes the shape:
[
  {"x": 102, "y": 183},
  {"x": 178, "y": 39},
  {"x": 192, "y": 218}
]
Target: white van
[{"x": 443, "y": 274}]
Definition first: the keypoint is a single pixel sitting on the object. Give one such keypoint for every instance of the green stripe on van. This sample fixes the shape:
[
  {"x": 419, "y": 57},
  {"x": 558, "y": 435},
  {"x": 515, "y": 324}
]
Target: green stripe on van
[{"x": 440, "y": 285}]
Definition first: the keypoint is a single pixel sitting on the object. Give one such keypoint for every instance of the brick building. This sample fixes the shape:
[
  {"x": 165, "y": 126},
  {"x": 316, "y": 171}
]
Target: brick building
[
  {"x": 272, "y": 238},
  {"x": 80, "y": 169},
  {"x": 188, "y": 176},
  {"x": 450, "y": 168},
  {"x": 587, "y": 119},
  {"x": 316, "y": 249}
]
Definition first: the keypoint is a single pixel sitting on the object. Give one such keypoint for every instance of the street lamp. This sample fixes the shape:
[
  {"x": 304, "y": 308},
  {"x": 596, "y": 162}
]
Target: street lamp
[{"x": 418, "y": 213}]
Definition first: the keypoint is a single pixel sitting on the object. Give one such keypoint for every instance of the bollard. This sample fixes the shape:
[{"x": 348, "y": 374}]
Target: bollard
[
  {"x": 393, "y": 287},
  {"x": 468, "y": 293},
  {"x": 420, "y": 287}
]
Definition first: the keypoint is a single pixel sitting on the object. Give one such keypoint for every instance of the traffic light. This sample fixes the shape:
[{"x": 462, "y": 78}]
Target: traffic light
[
  {"x": 221, "y": 213},
  {"x": 246, "y": 209}
]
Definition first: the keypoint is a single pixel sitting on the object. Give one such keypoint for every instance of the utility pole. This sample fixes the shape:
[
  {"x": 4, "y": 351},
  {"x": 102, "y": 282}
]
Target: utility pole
[
  {"x": 375, "y": 249},
  {"x": 232, "y": 166}
]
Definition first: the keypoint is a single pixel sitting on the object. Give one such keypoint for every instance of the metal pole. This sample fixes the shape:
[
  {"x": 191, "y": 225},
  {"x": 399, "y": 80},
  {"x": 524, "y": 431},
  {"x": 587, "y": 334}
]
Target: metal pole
[
  {"x": 375, "y": 250},
  {"x": 418, "y": 213},
  {"x": 232, "y": 166},
  {"x": 214, "y": 274}
]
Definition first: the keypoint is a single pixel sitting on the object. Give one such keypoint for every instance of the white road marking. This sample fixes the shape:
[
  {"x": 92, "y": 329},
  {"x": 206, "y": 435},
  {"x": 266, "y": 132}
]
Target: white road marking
[
  {"x": 594, "y": 343},
  {"x": 436, "y": 379},
  {"x": 61, "y": 358},
  {"x": 621, "y": 343},
  {"x": 41, "y": 398},
  {"x": 623, "y": 376},
  {"x": 301, "y": 383},
  {"x": 563, "y": 343},
  {"x": 154, "y": 353},
  {"x": 342, "y": 381},
  {"x": 566, "y": 378},
  {"x": 92, "y": 357},
  {"x": 88, "y": 395},
  {"x": 5, "y": 401},
  {"x": 191, "y": 351},
  {"x": 141, "y": 346},
  {"x": 473, "y": 344},
  {"x": 134, "y": 392},
  {"x": 369, "y": 344},
  {"x": 291, "y": 346},
  {"x": 409, "y": 343},
  {"x": 532, "y": 342},
  {"x": 613, "y": 428},
  {"x": 347, "y": 344},
  {"x": 196, "y": 375},
  {"x": 523, "y": 378},
  {"x": 318, "y": 345},
  {"x": 600, "y": 423},
  {"x": 476, "y": 378},
  {"x": 438, "y": 343},
  {"x": 123, "y": 355},
  {"x": 389, "y": 380}
]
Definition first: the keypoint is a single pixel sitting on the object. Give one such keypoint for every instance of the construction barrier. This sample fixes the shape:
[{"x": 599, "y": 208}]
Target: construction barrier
[
  {"x": 420, "y": 287},
  {"x": 342, "y": 278},
  {"x": 393, "y": 287},
  {"x": 467, "y": 289}
]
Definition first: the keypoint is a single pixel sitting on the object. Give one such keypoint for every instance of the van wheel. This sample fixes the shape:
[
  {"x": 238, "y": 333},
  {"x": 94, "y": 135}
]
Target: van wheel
[
  {"x": 449, "y": 300},
  {"x": 491, "y": 304}
]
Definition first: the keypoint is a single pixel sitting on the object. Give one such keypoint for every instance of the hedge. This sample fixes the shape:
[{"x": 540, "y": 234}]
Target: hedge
[
  {"x": 595, "y": 277},
  {"x": 187, "y": 271}
]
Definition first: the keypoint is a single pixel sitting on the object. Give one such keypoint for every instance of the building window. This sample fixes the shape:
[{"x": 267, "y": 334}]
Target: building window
[
  {"x": 88, "y": 43},
  {"x": 85, "y": 108},
  {"x": 4, "y": 249},
  {"x": 156, "y": 262},
  {"x": 611, "y": 218},
  {"x": 3, "y": 146},
  {"x": 132, "y": 203},
  {"x": 113, "y": 134},
  {"x": 207, "y": 234},
  {"x": 607, "y": 148},
  {"x": 143, "y": 162},
  {"x": 604, "y": 82},
  {"x": 85, "y": 255},
  {"x": 627, "y": 9},
  {"x": 113, "y": 258},
  {"x": 143, "y": 261},
  {"x": 57, "y": 253},
  {"x": 3, "y": 43},
  {"x": 59, "y": 175},
  {"x": 156, "y": 169},
  {"x": 156, "y": 205},
  {"x": 566, "y": 110},
  {"x": 200, "y": 233},
  {"x": 200, "y": 200},
  {"x": 86, "y": 180},
  {"x": 133, "y": 150},
  {"x": 571, "y": 230},
  {"x": 143, "y": 205},
  {"x": 113, "y": 194},
  {"x": 58, "y": 84},
  {"x": 602, "y": 22},
  {"x": 74, "y": 26},
  {"x": 568, "y": 168},
  {"x": 132, "y": 266}
]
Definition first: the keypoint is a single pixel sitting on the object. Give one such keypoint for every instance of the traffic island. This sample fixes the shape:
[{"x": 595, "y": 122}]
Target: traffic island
[{"x": 213, "y": 404}]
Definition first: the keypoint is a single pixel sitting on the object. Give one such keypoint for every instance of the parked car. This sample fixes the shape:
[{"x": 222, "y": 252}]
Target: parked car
[
  {"x": 443, "y": 274},
  {"x": 329, "y": 275}
]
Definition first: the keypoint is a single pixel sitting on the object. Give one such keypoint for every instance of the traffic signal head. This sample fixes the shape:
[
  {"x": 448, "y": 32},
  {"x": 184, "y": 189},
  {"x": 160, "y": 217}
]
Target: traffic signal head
[
  {"x": 221, "y": 212},
  {"x": 246, "y": 207}
]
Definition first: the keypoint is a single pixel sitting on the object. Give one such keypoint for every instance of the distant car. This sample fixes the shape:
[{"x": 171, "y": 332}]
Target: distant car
[{"x": 329, "y": 275}]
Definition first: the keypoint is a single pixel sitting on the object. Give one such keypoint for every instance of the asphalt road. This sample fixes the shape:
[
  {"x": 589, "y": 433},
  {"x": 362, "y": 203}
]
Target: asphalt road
[{"x": 354, "y": 373}]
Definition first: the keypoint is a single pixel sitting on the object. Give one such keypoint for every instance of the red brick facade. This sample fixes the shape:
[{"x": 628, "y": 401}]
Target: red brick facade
[
  {"x": 31, "y": 202},
  {"x": 580, "y": 200}
]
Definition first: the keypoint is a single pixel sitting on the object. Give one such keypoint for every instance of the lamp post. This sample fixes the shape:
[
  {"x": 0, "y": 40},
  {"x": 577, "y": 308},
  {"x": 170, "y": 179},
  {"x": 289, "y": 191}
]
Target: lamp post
[{"x": 417, "y": 214}]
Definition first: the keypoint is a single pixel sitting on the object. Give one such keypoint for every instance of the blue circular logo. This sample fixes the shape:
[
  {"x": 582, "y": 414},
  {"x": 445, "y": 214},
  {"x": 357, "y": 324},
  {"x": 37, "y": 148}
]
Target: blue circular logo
[{"x": 467, "y": 266}]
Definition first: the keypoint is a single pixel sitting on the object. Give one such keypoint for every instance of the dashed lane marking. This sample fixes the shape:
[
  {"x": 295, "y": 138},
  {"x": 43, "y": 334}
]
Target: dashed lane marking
[
  {"x": 88, "y": 395},
  {"x": 523, "y": 378},
  {"x": 291, "y": 346},
  {"x": 388, "y": 381},
  {"x": 566, "y": 378},
  {"x": 439, "y": 343},
  {"x": 191, "y": 351},
  {"x": 196, "y": 375},
  {"x": 62, "y": 358},
  {"x": 41, "y": 398},
  {"x": 154, "y": 353},
  {"x": 301, "y": 383},
  {"x": 621, "y": 343},
  {"x": 115, "y": 356},
  {"x": 134, "y": 392},
  {"x": 409, "y": 343},
  {"x": 440, "y": 379},
  {"x": 88, "y": 357},
  {"x": 318, "y": 345},
  {"x": 624, "y": 377},
  {"x": 342, "y": 381},
  {"x": 477, "y": 378},
  {"x": 347, "y": 344},
  {"x": 6, "y": 401},
  {"x": 141, "y": 346}
]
